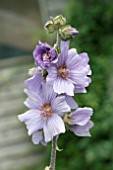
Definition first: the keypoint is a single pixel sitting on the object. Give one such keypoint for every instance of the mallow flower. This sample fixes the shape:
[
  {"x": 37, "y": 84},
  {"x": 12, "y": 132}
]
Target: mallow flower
[
  {"x": 44, "y": 55},
  {"x": 45, "y": 114},
  {"x": 70, "y": 72},
  {"x": 79, "y": 121}
]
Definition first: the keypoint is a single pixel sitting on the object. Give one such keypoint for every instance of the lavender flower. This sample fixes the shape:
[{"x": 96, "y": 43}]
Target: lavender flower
[
  {"x": 70, "y": 72},
  {"x": 45, "y": 113},
  {"x": 79, "y": 121},
  {"x": 44, "y": 55}
]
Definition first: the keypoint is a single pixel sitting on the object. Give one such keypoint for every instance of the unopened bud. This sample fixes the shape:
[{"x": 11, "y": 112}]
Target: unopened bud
[
  {"x": 47, "y": 168},
  {"x": 33, "y": 71},
  {"x": 68, "y": 32},
  {"x": 59, "y": 21},
  {"x": 49, "y": 26}
]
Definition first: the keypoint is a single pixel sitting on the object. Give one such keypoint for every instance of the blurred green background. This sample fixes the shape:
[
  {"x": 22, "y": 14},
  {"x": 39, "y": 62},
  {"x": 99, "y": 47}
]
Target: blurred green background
[{"x": 94, "y": 20}]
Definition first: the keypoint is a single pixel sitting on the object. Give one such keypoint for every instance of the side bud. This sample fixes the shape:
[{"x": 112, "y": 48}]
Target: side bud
[
  {"x": 49, "y": 26},
  {"x": 67, "y": 32}
]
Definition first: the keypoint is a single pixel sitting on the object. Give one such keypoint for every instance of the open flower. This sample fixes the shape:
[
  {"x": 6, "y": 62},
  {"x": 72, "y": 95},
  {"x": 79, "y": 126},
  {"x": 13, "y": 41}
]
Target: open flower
[
  {"x": 46, "y": 111},
  {"x": 44, "y": 55},
  {"x": 69, "y": 74},
  {"x": 79, "y": 121}
]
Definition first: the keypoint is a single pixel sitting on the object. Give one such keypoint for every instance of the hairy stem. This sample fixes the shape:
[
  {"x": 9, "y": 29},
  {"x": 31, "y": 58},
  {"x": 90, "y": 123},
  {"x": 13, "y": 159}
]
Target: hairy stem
[{"x": 53, "y": 154}]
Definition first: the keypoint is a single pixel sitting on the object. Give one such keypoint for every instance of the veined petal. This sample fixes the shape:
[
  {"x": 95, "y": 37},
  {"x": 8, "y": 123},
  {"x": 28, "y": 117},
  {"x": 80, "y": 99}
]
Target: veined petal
[
  {"x": 81, "y": 116},
  {"x": 63, "y": 86},
  {"x": 33, "y": 120},
  {"x": 71, "y": 102},
  {"x": 52, "y": 75},
  {"x": 34, "y": 83},
  {"x": 48, "y": 93},
  {"x": 37, "y": 137},
  {"x": 82, "y": 130},
  {"x": 33, "y": 101},
  {"x": 72, "y": 52},
  {"x": 80, "y": 89},
  {"x": 60, "y": 106},
  {"x": 52, "y": 127}
]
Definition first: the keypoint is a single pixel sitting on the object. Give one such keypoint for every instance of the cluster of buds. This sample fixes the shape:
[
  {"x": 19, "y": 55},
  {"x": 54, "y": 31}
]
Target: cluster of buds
[{"x": 59, "y": 24}]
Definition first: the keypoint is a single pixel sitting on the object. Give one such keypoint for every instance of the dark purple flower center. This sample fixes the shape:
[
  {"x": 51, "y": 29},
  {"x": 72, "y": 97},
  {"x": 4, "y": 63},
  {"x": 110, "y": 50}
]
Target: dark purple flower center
[
  {"x": 46, "y": 110},
  {"x": 63, "y": 72}
]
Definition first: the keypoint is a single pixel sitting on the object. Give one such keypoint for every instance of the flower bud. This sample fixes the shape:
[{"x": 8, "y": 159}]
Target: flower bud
[
  {"x": 67, "y": 32},
  {"x": 59, "y": 21},
  {"x": 46, "y": 168},
  {"x": 49, "y": 26},
  {"x": 33, "y": 71}
]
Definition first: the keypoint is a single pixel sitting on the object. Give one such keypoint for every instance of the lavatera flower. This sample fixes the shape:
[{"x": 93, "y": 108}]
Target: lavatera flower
[
  {"x": 70, "y": 74},
  {"x": 44, "y": 119},
  {"x": 44, "y": 55}
]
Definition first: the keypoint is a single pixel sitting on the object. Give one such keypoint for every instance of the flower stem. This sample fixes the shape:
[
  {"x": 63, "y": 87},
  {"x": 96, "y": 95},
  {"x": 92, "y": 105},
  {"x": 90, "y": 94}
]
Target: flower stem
[
  {"x": 58, "y": 42},
  {"x": 53, "y": 154}
]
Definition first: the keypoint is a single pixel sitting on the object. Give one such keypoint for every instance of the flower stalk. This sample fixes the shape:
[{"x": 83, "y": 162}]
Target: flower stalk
[{"x": 53, "y": 154}]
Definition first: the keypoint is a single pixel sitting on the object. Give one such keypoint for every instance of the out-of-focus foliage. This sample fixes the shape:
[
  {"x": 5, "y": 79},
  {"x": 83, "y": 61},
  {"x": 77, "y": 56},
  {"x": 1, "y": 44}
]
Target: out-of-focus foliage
[{"x": 94, "y": 20}]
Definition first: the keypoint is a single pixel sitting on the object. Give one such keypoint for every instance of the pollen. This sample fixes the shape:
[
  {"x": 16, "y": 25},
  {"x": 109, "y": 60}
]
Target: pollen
[
  {"x": 63, "y": 72},
  {"x": 46, "y": 110}
]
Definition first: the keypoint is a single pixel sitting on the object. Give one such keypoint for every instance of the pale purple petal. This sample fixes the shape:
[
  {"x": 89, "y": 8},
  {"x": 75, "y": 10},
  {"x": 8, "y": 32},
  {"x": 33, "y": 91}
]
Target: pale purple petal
[
  {"x": 60, "y": 106},
  {"x": 37, "y": 137},
  {"x": 48, "y": 93},
  {"x": 81, "y": 116},
  {"x": 64, "y": 46},
  {"x": 63, "y": 86},
  {"x": 71, "y": 102},
  {"x": 33, "y": 120},
  {"x": 35, "y": 83},
  {"x": 52, "y": 76},
  {"x": 80, "y": 89},
  {"x": 82, "y": 130},
  {"x": 72, "y": 52},
  {"x": 53, "y": 126},
  {"x": 34, "y": 101}
]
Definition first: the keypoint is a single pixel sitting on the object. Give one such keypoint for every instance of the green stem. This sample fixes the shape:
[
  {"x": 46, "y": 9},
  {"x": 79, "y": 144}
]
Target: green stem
[
  {"x": 58, "y": 42},
  {"x": 53, "y": 154}
]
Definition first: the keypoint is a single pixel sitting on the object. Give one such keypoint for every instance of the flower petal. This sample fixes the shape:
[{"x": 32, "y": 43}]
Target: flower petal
[
  {"x": 37, "y": 137},
  {"x": 34, "y": 83},
  {"x": 60, "y": 106},
  {"x": 48, "y": 93},
  {"x": 33, "y": 120},
  {"x": 71, "y": 102},
  {"x": 33, "y": 101},
  {"x": 81, "y": 116},
  {"x": 82, "y": 130},
  {"x": 52, "y": 127},
  {"x": 63, "y": 86}
]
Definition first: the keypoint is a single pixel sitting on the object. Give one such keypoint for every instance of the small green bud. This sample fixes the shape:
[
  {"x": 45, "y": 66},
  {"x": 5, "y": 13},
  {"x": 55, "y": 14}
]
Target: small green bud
[
  {"x": 59, "y": 21},
  {"x": 49, "y": 26},
  {"x": 67, "y": 32}
]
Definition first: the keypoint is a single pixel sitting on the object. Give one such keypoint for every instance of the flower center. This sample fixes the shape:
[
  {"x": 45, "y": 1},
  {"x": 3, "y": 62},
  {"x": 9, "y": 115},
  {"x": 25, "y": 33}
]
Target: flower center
[
  {"x": 46, "y": 57},
  {"x": 63, "y": 72},
  {"x": 46, "y": 110}
]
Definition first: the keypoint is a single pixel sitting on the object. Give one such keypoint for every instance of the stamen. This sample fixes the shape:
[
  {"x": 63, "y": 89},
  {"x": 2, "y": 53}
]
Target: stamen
[
  {"x": 63, "y": 72},
  {"x": 46, "y": 110}
]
